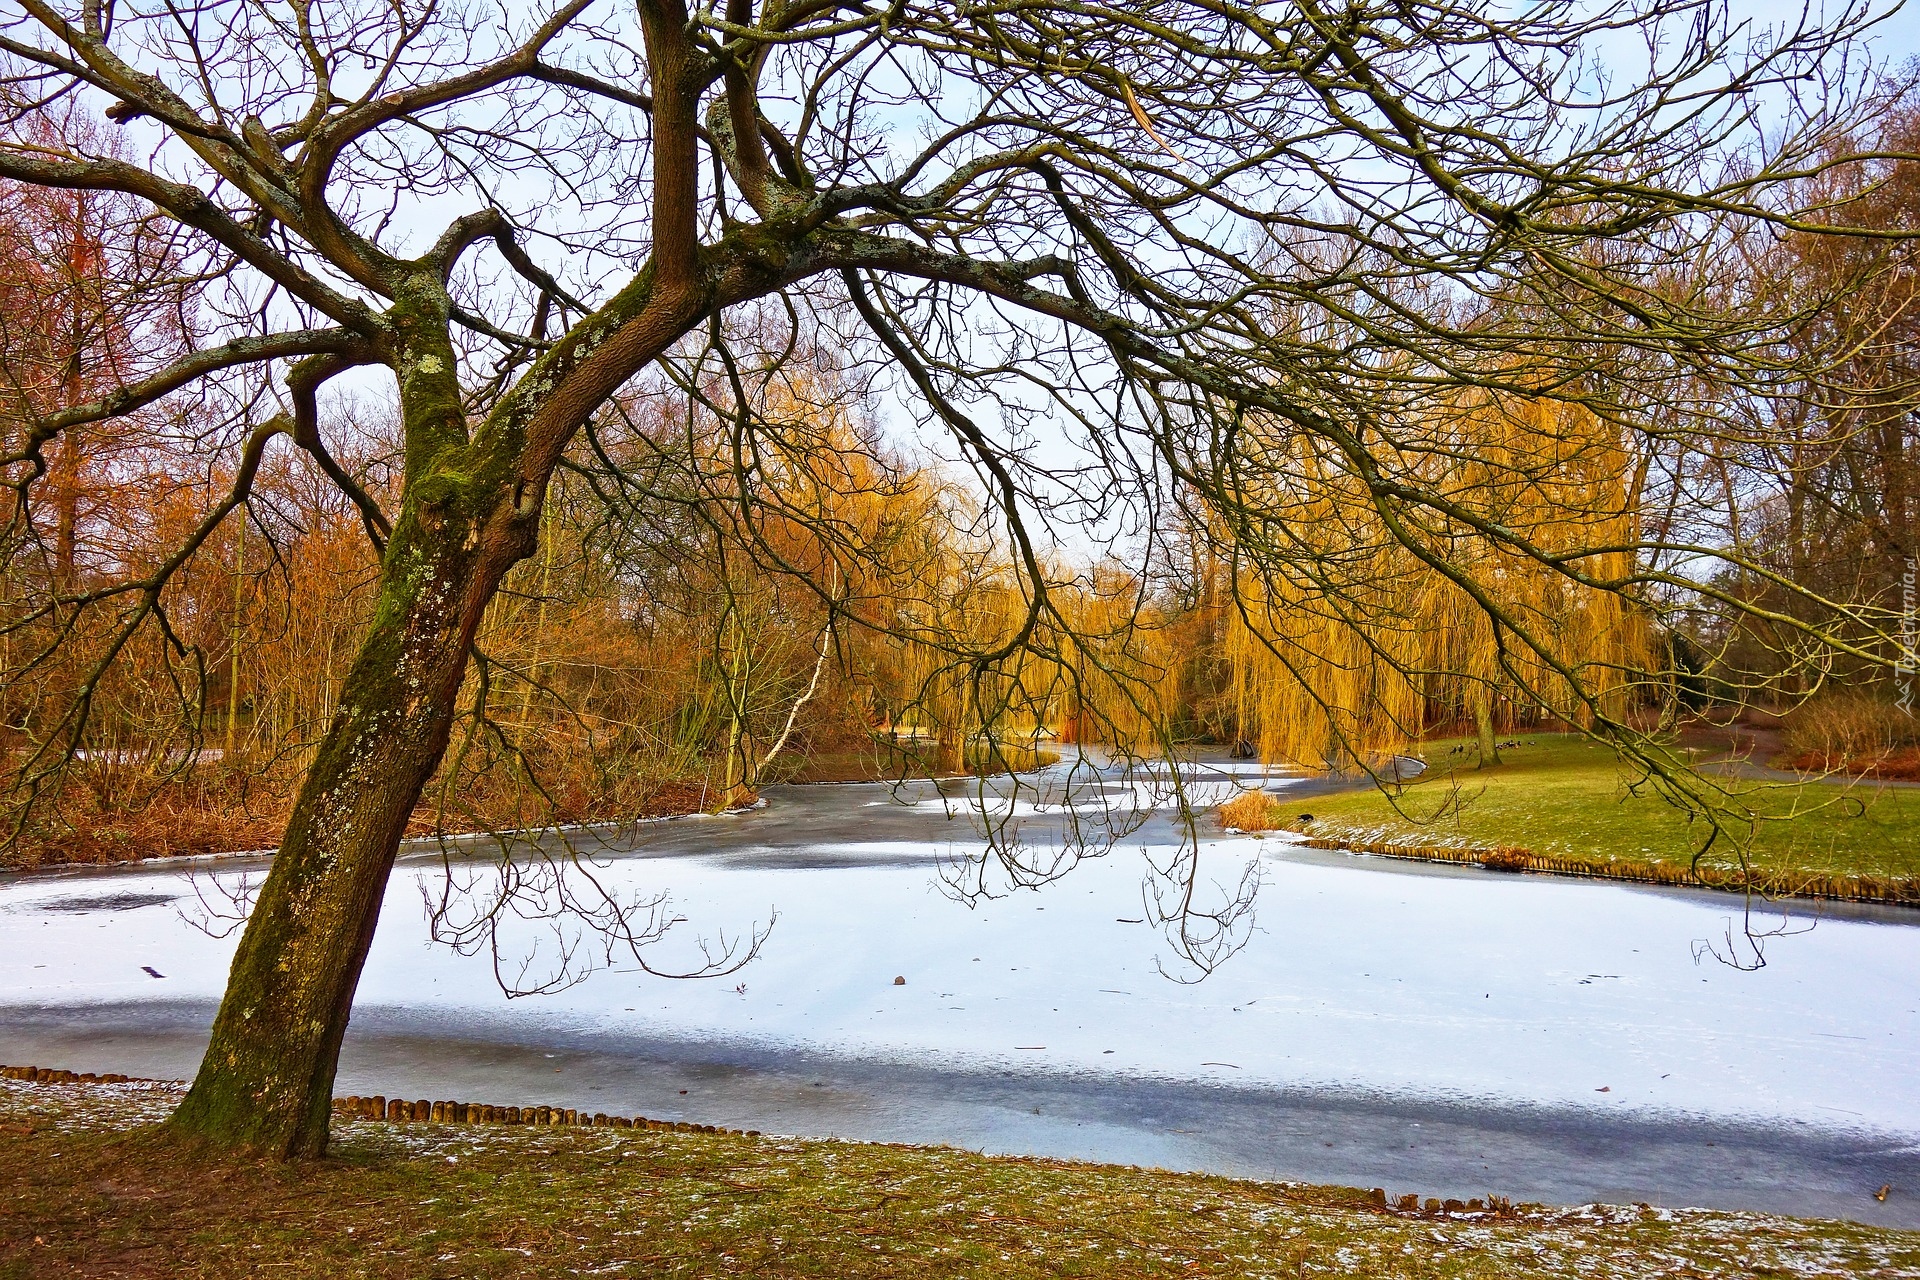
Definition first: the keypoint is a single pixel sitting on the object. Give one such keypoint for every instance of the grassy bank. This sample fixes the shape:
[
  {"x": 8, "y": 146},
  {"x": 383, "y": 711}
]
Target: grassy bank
[
  {"x": 87, "y": 1187},
  {"x": 1564, "y": 796}
]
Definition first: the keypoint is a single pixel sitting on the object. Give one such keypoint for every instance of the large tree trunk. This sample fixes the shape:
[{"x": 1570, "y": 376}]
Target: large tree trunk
[
  {"x": 1483, "y": 726},
  {"x": 949, "y": 755},
  {"x": 471, "y": 510},
  {"x": 265, "y": 1083},
  {"x": 267, "y": 1077}
]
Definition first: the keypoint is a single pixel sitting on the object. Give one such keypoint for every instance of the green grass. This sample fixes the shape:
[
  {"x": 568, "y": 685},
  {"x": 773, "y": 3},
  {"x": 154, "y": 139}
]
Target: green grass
[
  {"x": 1560, "y": 794},
  {"x": 87, "y": 1187}
]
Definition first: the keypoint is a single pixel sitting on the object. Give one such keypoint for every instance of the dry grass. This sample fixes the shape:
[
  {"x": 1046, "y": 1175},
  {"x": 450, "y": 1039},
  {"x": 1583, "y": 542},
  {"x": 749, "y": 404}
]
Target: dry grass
[
  {"x": 1899, "y": 765},
  {"x": 173, "y": 819},
  {"x": 1852, "y": 733},
  {"x": 216, "y": 811},
  {"x": 218, "y": 814},
  {"x": 1253, "y": 811},
  {"x": 89, "y": 1188}
]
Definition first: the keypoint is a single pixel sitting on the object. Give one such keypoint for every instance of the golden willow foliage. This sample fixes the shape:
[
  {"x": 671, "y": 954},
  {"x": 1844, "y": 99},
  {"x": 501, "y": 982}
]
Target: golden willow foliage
[
  {"x": 694, "y": 626},
  {"x": 678, "y": 640},
  {"x": 988, "y": 681},
  {"x": 1343, "y": 643},
  {"x": 758, "y": 591},
  {"x": 628, "y": 668},
  {"x": 844, "y": 603},
  {"x": 197, "y": 727}
]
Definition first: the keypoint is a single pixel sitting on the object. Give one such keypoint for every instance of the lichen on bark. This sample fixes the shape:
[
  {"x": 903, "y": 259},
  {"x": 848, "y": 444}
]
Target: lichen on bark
[{"x": 266, "y": 1081}]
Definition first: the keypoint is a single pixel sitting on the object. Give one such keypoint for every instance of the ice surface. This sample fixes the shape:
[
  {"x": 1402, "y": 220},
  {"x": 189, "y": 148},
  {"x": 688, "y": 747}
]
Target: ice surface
[{"x": 1361, "y": 972}]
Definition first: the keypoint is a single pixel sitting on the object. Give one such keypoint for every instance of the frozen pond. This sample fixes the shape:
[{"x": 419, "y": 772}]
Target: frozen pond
[{"x": 1440, "y": 1030}]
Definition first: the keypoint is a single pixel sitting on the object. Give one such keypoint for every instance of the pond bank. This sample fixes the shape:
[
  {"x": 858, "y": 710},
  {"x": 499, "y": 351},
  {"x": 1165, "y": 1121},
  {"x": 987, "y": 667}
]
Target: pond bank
[
  {"x": 1888, "y": 890},
  {"x": 87, "y": 1188}
]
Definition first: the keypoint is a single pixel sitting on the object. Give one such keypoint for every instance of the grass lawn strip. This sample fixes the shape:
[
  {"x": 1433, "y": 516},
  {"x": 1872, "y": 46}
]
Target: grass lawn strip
[
  {"x": 88, "y": 1187},
  {"x": 1566, "y": 797}
]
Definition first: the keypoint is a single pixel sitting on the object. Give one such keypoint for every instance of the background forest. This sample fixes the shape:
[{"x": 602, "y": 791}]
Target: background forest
[{"x": 697, "y": 622}]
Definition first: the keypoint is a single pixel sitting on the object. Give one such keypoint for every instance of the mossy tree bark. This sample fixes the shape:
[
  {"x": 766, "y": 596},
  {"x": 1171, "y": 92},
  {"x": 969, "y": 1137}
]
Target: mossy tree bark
[
  {"x": 267, "y": 1077},
  {"x": 470, "y": 510}
]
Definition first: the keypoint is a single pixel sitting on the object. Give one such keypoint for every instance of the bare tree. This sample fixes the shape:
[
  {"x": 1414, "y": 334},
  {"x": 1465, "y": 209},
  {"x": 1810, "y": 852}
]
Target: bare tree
[
  {"x": 1087, "y": 213},
  {"x": 1822, "y": 487}
]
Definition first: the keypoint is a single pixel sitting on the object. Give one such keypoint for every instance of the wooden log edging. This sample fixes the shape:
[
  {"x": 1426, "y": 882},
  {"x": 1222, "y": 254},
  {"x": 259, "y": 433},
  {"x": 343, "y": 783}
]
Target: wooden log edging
[
  {"x": 54, "y": 1075},
  {"x": 419, "y": 1111},
  {"x": 454, "y": 1112},
  {"x": 1434, "y": 1207},
  {"x": 1886, "y": 890}
]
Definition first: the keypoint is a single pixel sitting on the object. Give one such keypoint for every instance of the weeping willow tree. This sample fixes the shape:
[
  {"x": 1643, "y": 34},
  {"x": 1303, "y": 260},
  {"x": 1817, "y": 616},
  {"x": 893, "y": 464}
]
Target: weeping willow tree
[{"x": 1348, "y": 641}]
